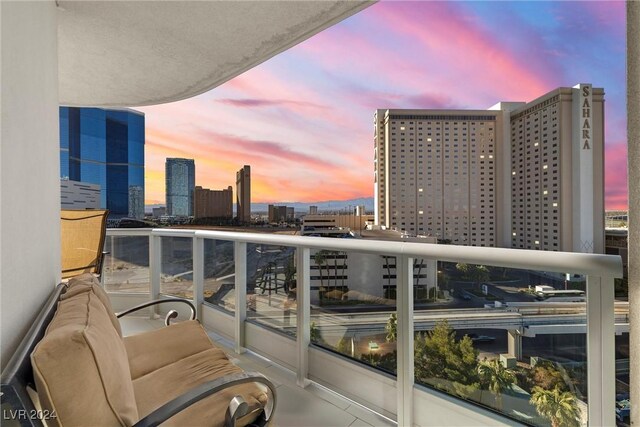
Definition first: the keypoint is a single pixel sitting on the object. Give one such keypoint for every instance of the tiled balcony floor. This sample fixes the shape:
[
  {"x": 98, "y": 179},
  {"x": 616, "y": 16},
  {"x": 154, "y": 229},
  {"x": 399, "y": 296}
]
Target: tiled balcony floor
[{"x": 297, "y": 407}]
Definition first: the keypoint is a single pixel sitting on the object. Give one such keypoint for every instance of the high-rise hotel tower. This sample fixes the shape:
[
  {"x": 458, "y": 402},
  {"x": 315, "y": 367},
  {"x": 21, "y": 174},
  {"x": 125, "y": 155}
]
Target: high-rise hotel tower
[
  {"x": 436, "y": 173},
  {"x": 521, "y": 175},
  {"x": 180, "y": 184},
  {"x": 243, "y": 194}
]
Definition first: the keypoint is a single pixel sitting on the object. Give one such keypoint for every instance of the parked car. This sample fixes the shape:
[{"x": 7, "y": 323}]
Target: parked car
[{"x": 481, "y": 338}]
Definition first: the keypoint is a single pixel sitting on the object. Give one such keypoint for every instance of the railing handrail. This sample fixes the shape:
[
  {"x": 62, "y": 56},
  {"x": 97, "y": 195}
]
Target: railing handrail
[
  {"x": 559, "y": 262},
  {"x": 124, "y": 232}
]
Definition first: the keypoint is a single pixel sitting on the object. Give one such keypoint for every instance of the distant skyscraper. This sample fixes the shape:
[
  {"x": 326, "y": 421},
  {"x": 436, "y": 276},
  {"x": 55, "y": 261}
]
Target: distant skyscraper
[
  {"x": 213, "y": 203},
  {"x": 522, "y": 175},
  {"x": 313, "y": 210},
  {"x": 280, "y": 213},
  {"x": 104, "y": 147},
  {"x": 136, "y": 202},
  {"x": 180, "y": 182},
  {"x": 243, "y": 194}
]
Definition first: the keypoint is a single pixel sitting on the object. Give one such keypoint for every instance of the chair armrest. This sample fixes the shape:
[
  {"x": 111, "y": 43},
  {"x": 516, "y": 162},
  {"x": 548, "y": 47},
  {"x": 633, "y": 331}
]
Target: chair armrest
[
  {"x": 172, "y": 314},
  {"x": 196, "y": 394}
]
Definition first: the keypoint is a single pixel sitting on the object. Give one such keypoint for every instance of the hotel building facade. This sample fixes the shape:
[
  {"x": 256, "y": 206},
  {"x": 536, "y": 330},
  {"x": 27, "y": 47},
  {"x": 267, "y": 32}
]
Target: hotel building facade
[
  {"x": 522, "y": 175},
  {"x": 243, "y": 194},
  {"x": 213, "y": 203}
]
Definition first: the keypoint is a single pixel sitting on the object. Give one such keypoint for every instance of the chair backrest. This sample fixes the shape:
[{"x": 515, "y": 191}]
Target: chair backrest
[{"x": 83, "y": 233}]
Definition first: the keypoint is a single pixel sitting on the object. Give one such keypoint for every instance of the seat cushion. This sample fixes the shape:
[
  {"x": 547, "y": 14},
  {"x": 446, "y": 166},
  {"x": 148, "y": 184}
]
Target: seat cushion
[
  {"x": 89, "y": 283},
  {"x": 153, "y": 350},
  {"x": 161, "y": 386},
  {"x": 81, "y": 368}
]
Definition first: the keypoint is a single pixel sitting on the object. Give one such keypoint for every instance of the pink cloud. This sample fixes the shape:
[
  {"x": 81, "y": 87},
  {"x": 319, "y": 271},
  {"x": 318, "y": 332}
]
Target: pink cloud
[
  {"x": 252, "y": 102},
  {"x": 615, "y": 181},
  {"x": 304, "y": 106},
  {"x": 477, "y": 58}
]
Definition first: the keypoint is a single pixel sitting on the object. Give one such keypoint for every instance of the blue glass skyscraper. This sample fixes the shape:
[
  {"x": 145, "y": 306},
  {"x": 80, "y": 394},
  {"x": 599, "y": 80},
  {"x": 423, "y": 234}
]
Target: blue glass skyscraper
[
  {"x": 180, "y": 180},
  {"x": 105, "y": 147}
]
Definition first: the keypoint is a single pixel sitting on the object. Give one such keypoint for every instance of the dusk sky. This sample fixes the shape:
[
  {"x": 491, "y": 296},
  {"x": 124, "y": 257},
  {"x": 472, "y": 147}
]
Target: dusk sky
[{"x": 304, "y": 119}]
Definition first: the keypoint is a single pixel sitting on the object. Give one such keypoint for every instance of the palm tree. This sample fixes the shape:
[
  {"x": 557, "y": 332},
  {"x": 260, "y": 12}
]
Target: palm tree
[
  {"x": 320, "y": 258},
  {"x": 343, "y": 273},
  {"x": 419, "y": 263},
  {"x": 386, "y": 263},
  {"x": 496, "y": 378},
  {"x": 559, "y": 407},
  {"x": 392, "y": 328},
  {"x": 334, "y": 255}
]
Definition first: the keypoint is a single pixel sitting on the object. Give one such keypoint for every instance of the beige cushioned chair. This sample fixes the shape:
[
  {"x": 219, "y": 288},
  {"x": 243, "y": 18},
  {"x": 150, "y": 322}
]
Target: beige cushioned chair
[
  {"x": 90, "y": 375},
  {"x": 82, "y": 234}
]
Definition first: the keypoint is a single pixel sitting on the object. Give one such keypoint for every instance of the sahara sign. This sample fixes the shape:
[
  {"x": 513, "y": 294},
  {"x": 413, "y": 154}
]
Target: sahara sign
[{"x": 586, "y": 101}]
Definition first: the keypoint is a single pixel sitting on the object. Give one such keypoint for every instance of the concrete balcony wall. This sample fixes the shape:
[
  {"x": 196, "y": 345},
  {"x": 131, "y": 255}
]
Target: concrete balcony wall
[{"x": 29, "y": 169}]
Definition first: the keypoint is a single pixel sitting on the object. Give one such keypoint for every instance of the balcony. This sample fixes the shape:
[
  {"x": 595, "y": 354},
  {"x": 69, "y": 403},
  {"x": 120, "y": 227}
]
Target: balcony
[
  {"x": 345, "y": 316},
  {"x": 43, "y": 71}
]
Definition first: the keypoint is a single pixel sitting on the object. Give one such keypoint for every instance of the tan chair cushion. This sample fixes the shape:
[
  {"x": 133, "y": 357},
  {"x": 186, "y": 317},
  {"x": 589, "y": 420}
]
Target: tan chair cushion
[
  {"x": 155, "y": 349},
  {"x": 161, "y": 386},
  {"x": 81, "y": 368},
  {"x": 89, "y": 283}
]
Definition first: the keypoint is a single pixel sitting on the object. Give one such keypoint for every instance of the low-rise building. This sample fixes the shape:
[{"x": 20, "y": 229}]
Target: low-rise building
[
  {"x": 79, "y": 195},
  {"x": 159, "y": 211},
  {"x": 318, "y": 224},
  {"x": 616, "y": 243},
  {"x": 367, "y": 278}
]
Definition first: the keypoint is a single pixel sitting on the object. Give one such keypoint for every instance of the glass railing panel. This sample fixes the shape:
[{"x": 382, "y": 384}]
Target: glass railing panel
[
  {"x": 623, "y": 405},
  {"x": 353, "y": 306},
  {"x": 176, "y": 267},
  {"x": 511, "y": 340},
  {"x": 271, "y": 284},
  {"x": 219, "y": 274},
  {"x": 126, "y": 265}
]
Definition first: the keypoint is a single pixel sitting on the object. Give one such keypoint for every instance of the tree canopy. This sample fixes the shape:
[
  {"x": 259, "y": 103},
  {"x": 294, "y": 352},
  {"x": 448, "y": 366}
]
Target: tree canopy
[
  {"x": 440, "y": 356},
  {"x": 496, "y": 378},
  {"x": 559, "y": 407}
]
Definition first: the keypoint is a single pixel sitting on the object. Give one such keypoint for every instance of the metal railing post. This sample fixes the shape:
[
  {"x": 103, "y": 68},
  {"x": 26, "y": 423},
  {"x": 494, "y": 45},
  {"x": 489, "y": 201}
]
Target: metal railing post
[
  {"x": 601, "y": 351},
  {"x": 240, "y": 258},
  {"x": 198, "y": 275},
  {"x": 155, "y": 266},
  {"x": 404, "y": 307},
  {"x": 303, "y": 308}
]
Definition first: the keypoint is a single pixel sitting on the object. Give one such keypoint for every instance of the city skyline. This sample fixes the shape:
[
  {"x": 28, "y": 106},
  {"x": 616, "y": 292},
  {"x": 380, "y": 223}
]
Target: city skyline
[{"x": 309, "y": 110}]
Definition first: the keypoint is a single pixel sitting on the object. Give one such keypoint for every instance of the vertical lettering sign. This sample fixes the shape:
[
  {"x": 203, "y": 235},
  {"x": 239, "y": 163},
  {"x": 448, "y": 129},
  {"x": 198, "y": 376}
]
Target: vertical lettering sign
[
  {"x": 586, "y": 101},
  {"x": 583, "y": 188}
]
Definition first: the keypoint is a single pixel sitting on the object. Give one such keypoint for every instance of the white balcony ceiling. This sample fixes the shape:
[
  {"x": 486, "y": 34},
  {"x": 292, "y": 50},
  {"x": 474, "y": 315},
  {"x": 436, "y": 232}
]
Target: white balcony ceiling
[{"x": 133, "y": 53}]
